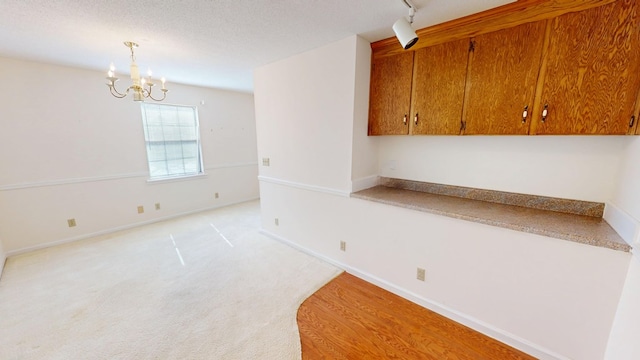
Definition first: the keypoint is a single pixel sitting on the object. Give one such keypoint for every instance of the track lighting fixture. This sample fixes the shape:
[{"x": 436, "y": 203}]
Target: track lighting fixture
[{"x": 404, "y": 32}]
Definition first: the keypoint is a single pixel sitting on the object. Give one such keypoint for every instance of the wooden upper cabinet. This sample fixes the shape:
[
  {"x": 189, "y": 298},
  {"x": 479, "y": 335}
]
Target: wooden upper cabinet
[
  {"x": 390, "y": 95},
  {"x": 574, "y": 67},
  {"x": 439, "y": 75},
  {"x": 502, "y": 78},
  {"x": 591, "y": 72}
]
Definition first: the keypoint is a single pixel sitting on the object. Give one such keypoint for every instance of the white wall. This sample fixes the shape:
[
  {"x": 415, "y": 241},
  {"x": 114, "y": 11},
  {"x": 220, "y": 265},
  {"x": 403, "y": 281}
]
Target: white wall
[
  {"x": 329, "y": 107},
  {"x": 545, "y": 296},
  {"x": 3, "y": 257},
  {"x": 623, "y": 341},
  {"x": 68, "y": 149},
  {"x": 309, "y": 133},
  {"x": 364, "y": 150},
  {"x": 550, "y": 297},
  {"x": 627, "y": 194},
  {"x": 571, "y": 167}
]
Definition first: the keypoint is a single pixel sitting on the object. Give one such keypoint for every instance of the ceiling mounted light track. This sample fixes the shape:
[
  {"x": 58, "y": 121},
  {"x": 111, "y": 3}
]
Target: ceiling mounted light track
[
  {"x": 404, "y": 32},
  {"x": 141, "y": 86}
]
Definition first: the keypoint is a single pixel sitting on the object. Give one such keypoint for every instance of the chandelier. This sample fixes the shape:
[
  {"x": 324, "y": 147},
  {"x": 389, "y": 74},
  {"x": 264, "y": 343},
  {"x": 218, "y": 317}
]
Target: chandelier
[{"x": 141, "y": 87}]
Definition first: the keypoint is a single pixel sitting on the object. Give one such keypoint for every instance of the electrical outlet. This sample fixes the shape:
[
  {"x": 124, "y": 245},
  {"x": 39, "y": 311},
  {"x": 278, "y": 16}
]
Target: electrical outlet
[
  {"x": 276, "y": 221},
  {"x": 421, "y": 274},
  {"x": 140, "y": 209},
  {"x": 157, "y": 206},
  {"x": 265, "y": 162},
  {"x": 71, "y": 222},
  {"x": 343, "y": 245},
  {"x": 216, "y": 195}
]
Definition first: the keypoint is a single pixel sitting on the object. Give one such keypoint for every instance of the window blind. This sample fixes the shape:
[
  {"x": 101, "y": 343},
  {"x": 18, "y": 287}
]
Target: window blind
[{"x": 171, "y": 135}]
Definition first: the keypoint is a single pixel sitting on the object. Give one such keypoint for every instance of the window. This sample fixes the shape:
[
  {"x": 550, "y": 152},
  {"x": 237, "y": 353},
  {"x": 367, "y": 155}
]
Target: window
[{"x": 172, "y": 138}]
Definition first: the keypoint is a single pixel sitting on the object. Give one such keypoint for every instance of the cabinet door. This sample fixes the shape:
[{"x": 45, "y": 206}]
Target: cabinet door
[
  {"x": 591, "y": 72},
  {"x": 438, "y": 88},
  {"x": 390, "y": 95},
  {"x": 503, "y": 73}
]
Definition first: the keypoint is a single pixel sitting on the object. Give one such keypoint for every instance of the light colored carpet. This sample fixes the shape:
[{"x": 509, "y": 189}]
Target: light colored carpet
[{"x": 129, "y": 296}]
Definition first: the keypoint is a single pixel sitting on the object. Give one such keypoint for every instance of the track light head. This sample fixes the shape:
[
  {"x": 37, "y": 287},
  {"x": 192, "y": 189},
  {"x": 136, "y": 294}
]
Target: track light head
[{"x": 405, "y": 33}]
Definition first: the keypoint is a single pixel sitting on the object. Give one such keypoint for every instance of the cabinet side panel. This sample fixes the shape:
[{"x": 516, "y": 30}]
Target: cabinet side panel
[
  {"x": 438, "y": 89},
  {"x": 592, "y": 75},
  {"x": 390, "y": 97},
  {"x": 504, "y": 73},
  {"x": 635, "y": 129}
]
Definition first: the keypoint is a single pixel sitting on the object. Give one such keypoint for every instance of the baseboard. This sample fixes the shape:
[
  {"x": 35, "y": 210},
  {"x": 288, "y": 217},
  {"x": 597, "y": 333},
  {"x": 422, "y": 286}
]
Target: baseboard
[
  {"x": 480, "y": 326},
  {"x": 505, "y": 337},
  {"x": 305, "y": 250},
  {"x": 118, "y": 228},
  {"x": 364, "y": 183}
]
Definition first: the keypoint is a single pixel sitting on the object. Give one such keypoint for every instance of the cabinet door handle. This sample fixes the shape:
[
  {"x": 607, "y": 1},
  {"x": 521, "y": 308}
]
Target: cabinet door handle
[
  {"x": 545, "y": 112},
  {"x": 415, "y": 119},
  {"x": 404, "y": 120},
  {"x": 525, "y": 113},
  {"x": 632, "y": 121}
]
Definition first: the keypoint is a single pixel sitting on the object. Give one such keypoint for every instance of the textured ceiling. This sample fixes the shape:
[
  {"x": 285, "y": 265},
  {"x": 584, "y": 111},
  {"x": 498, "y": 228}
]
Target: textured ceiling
[{"x": 198, "y": 42}]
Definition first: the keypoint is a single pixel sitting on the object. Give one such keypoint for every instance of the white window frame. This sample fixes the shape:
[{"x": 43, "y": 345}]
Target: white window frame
[{"x": 172, "y": 175}]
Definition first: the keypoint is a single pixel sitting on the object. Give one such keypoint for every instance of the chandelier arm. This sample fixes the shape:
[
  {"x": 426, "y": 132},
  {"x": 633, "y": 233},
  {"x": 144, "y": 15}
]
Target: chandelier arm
[
  {"x": 116, "y": 93},
  {"x": 164, "y": 95},
  {"x": 147, "y": 93}
]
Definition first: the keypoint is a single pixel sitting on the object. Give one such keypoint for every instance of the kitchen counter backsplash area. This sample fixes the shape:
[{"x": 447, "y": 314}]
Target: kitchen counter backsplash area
[
  {"x": 568, "y": 206},
  {"x": 572, "y": 220}
]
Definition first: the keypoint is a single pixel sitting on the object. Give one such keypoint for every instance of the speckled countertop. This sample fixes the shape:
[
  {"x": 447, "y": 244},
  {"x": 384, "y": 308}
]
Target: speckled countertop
[{"x": 578, "y": 228}]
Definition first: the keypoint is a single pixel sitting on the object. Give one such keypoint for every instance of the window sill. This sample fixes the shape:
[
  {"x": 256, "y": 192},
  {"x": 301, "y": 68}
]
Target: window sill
[{"x": 176, "y": 179}]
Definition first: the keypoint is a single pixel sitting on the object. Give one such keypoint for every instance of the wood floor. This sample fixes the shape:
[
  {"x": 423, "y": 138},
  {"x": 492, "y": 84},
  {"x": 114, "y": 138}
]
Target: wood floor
[{"x": 352, "y": 319}]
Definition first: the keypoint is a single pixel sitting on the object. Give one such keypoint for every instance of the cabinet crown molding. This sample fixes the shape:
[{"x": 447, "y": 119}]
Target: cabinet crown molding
[{"x": 502, "y": 17}]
